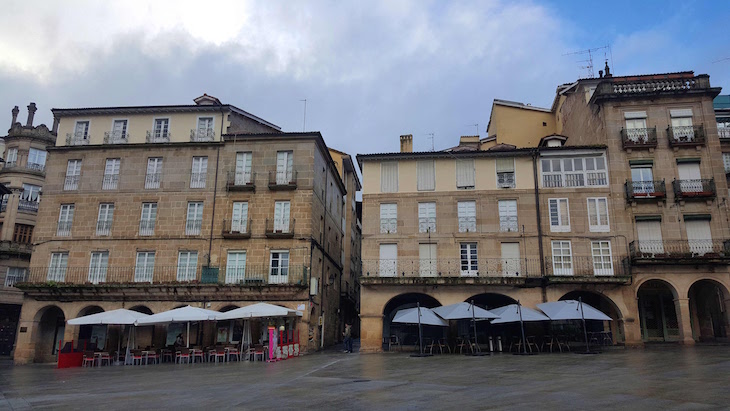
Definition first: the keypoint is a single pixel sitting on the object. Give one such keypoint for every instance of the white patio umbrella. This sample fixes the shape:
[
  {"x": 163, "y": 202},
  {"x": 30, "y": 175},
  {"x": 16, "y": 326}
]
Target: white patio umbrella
[
  {"x": 120, "y": 316},
  {"x": 185, "y": 314},
  {"x": 419, "y": 315},
  {"x": 465, "y": 311},
  {"x": 573, "y": 310},
  {"x": 258, "y": 310},
  {"x": 517, "y": 313}
]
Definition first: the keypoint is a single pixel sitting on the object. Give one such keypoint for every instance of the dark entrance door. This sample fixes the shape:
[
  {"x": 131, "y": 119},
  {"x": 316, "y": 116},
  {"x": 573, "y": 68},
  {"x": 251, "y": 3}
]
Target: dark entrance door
[{"x": 9, "y": 316}]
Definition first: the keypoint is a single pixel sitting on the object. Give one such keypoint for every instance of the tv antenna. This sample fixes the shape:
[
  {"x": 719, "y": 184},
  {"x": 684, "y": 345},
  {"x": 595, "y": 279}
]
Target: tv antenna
[
  {"x": 431, "y": 135},
  {"x": 588, "y": 67},
  {"x": 304, "y": 124},
  {"x": 721, "y": 60},
  {"x": 474, "y": 125}
]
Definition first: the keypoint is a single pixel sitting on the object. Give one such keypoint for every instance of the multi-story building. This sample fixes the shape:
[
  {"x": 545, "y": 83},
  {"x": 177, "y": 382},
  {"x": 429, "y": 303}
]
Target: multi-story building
[
  {"x": 150, "y": 208},
  {"x": 23, "y": 173},
  {"x": 619, "y": 197}
]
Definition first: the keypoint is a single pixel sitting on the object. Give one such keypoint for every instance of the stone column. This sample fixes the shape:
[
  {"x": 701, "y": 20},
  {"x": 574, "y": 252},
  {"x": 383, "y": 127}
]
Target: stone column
[
  {"x": 632, "y": 324},
  {"x": 31, "y": 113},
  {"x": 24, "y": 346},
  {"x": 683, "y": 318},
  {"x": 371, "y": 333},
  {"x": 15, "y": 115},
  {"x": 11, "y": 213}
]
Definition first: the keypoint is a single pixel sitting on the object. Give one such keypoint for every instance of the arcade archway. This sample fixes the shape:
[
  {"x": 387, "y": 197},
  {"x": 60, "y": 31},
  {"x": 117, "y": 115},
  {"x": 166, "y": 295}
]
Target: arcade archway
[
  {"x": 51, "y": 327},
  {"x": 606, "y": 306},
  {"x": 707, "y": 310},
  {"x": 657, "y": 311},
  {"x": 402, "y": 333}
]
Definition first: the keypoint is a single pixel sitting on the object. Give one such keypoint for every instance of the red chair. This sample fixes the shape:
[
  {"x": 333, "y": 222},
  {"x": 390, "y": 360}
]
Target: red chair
[
  {"x": 88, "y": 358},
  {"x": 137, "y": 356},
  {"x": 184, "y": 353},
  {"x": 104, "y": 356}
]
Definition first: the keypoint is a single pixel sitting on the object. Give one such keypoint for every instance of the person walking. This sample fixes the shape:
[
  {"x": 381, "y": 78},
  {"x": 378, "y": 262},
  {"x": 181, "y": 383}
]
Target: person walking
[{"x": 348, "y": 338}]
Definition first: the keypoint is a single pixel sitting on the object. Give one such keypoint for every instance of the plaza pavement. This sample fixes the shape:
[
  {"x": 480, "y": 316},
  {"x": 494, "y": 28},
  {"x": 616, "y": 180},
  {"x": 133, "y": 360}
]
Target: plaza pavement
[{"x": 657, "y": 377}]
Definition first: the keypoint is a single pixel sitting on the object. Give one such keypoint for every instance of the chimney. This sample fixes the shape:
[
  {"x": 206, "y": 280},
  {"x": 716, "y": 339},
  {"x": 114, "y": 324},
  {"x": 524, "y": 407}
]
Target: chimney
[
  {"x": 15, "y": 116},
  {"x": 56, "y": 120},
  {"x": 31, "y": 114},
  {"x": 600, "y": 73},
  {"x": 406, "y": 143}
]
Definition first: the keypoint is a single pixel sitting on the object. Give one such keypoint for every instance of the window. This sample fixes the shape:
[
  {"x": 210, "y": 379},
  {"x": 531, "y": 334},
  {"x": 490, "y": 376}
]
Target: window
[
  {"x": 465, "y": 174},
  {"x": 511, "y": 265},
  {"x": 562, "y": 258},
  {"x": 236, "y": 267},
  {"x": 426, "y": 217},
  {"x": 119, "y": 131},
  {"x": 147, "y": 220},
  {"x": 104, "y": 221},
  {"x": 199, "y": 172},
  {"x": 427, "y": 260},
  {"x": 467, "y": 212},
  {"x": 389, "y": 177},
  {"x": 559, "y": 214},
  {"x": 699, "y": 236},
  {"x": 98, "y": 266},
  {"x": 15, "y": 275},
  {"x": 187, "y": 265},
  {"x": 682, "y": 129},
  {"x": 239, "y": 218},
  {"x": 12, "y": 157},
  {"x": 602, "y": 264},
  {"x": 154, "y": 173},
  {"x": 726, "y": 162},
  {"x": 636, "y": 126},
  {"x": 81, "y": 131},
  {"x": 23, "y": 233},
  {"x": 506, "y": 173},
  {"x": 279, "y": 267},
  {"x": 57, "y": 267},
  {"x": 281, "y": 216},
  {"x": 243, "y": 169},
  {"x": 388, "y": 263},
  {"x": 598, "y": 214},
  {"x": 284, "y": 167},
  {"x": 469, "y": 266},
  {"x": 642, "y": 181},
  {"x": 111, "y": 174},
  {"x": 650, "y": 236},
  {"x": 690, "y": 179},
  {"x": 388, "y": 218},
  {"x": 145, "y": 267},
  {"x": 65, "y": 220},
  {"x": 161, "y": 130},
  {"x": 574, "y": 172},
  {"x": 37, "y": 159},
  {"x": 205, "y": 127},
  {"x": 508, "y": 215},
  {"x": 73, "y": 175},
  {"x": 29, "y": 198},
  {"x": 426, "y": 175},
  {"x": 194, "y": 218}
]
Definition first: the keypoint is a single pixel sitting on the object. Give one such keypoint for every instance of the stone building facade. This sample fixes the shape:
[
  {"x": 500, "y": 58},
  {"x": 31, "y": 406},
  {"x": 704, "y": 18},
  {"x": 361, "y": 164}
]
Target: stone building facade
[
  {"x": 621, "y": 200},
  {"x": 151, "y": 208}
]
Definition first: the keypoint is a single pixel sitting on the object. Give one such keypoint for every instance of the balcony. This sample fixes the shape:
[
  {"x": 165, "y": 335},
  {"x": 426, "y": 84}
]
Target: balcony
[
  {"x": 197, "y": 180},
  {"x": 645, "y": 190},
  {"x": 278, "y": 230},
  {"x": 283, "y": 180},
  {"x": 202, "y": 135},
  {"x": 684, "y": 136},
  {"x": 16, "y": 276},
  {"x": 680, "y": 252},
  {"x": 157, "y": 137},
  {"x": 193, "y": 226},
  {"x": 236, "y": 229},
  {"x": 618, "y": 88},
  {"x": 110, "y": 182},
  {"x": 14, "y": 247},
  {"x": 77, "y": 139},
  {"x": 241, "y": 181},
  {"x": 30, "y": 206},
  {"x": 600, "y": 267},
  {"x": 724, "y": 134},
  {"x": 453, "y": 268},
  {"x": 116, "y": 137},
  {"x": 146, "y": 228},
  {"x": 633, "y": 138},
  {"x": 152, "y": 181},
  {"x": 103, "y": 227},
  {"x": 703, "y": 189},
  {"x": 71, "y": 183}
]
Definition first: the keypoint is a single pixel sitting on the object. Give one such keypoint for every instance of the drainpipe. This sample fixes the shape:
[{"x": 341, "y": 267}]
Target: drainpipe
[
  {"x": 215, "y": 187},
  {"x": 539, "y": 222},
  {"x": 322, "y": 279}
]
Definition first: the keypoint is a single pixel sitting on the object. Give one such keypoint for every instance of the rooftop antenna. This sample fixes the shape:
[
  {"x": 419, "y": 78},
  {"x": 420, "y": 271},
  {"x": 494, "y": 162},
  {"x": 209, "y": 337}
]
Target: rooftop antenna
[
  {"x": 474, "y": 125},
  {"x": 304, "y": 125},
  {"x": 431, "y": 136},
  {"x": 589, "y": 61},
  {"x": 721, "y": 60}
]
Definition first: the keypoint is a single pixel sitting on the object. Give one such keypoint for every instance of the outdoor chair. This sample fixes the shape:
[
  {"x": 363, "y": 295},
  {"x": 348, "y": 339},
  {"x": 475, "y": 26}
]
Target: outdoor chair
[
  {"x": 461, "y": 343},
  {"x": 152, "y": 355},
  {"x": 215, "y": 354},
  {"x": 104, "y": 356},
  {"x": 137, "y": 356},
  {"x": 394, "y": 341},
  {"x": 167, "y": 354},
  {"x": 531, "y": 343},
  {"x": 233, "y": 352},
  {"x": 88, "y": 358},
  {"x": 182, "y": 354},
  {"x": 563, "y": 342},
  {"x": 197, "y": 353},
  {"x": 551, "y": 342}
]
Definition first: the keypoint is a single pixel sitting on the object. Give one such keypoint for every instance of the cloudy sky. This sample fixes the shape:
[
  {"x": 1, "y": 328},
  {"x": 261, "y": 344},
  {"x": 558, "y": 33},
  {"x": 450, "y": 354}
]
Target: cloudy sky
[{"x": 370, "y": 71}]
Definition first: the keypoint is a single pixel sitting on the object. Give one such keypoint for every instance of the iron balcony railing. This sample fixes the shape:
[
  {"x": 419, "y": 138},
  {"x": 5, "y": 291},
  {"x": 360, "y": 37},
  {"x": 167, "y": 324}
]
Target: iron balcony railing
[
  {"x": 71, "y": 182},
  {"x": 157, "y": 137},
  {"x": 639, "y": 137},
  {"x": 643, "y": 190},
  {"x": 146, "y": 227},
  {"x": 103, "y": 227},
  {"x": 116, "y": 137},
  {"x": 283, "y": 180},
  {"x": 77, "y": 139},
  {"x": 152, "y": 180},
  {"x": 241, "y": 181},
  {"x": 280, "y": 229},
  {"x": 193, "y": 226},
  {"x": 197, "y": 180},
  {"x": 202, "y": 134},
  {"x": 63, "y": 229},
  {"x": 724, "y": 133},
  {"x": 110, "y": 182},
  {"x": 586, "y": 266},
  {"x": 245, "y": 275},
  {"x": 649, "y": 86},
  {"x": 38, "y": 168},
  {"x": 672, "y": 250},
  {"x": 30, "y": 206},
  {"x": 694, "y": 189},
  {"x": 16, "y": 276},
  {"x": 236, "y": 229},
  {"x": 685, "y": 136}
]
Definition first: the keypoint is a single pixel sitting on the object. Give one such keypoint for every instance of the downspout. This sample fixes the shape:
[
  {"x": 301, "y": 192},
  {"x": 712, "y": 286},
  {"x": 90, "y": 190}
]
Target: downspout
[
  {"x": 215, "y": 188},
  {"x": 324, "y": 230},
  {"x": 539, "y": 223}
]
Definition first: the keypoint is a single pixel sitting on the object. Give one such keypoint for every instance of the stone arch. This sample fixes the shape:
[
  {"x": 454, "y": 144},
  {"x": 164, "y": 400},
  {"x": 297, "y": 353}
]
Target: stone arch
[
  {"x": 670, "y": 284},
  {"x": 404, "y": 333},
  {"x": 607, "y": 306},
  {"x": 227, "y": 307},
  {"x": 707, "y": 304},
  {"x": 50, "y": 325},
  {"x": 491, "y": 300},
  {"x": 658, "y": 316},
  {"x": 142, "y": 309},
  {"x": 85, "y": 333},
  {"x": 88, "y": 310}
]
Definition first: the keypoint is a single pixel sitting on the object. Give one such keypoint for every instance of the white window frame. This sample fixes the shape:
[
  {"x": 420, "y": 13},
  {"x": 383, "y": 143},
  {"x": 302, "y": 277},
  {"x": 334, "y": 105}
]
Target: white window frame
[
  {"x": 98, "y": 266},
  {"x": 426, "y": 175},
  {"x": 187, "y": 265},
  {"x": 469, "y": 257},
  {"x": 282, "y": 216},
  {"x": 194, "y": 218},
  {"x": 57, "y": 267},
  {"x": 427, "y": 217},
  {"x": 239, "y": 218},
  {"x": 105, "y": 219},
  {"x": 235, "y": 267},
  {"x": 153, "y": 177},
  {"x": 726, "y": 162},
  {"x": 144, "y": 267},
  {"x": 562, "y": 263},
  {"x": 385, "y": 186},
  {"x": 467, "y": 221},
  {"x": 84, "y": 133},
  {"x": 115, "y": 137},
  {"x": 243, "y": 174},
  {"x": 279, "y": 274},
  {"x": 466, "y": 178},
  {"x": 163, "y": 131},
  {"x": 65, "y": 218},
  {"x": 563, "y": 225},
  {"x": 15, "y": 275},
  {"x": 388, "y": 218},
  {"x": 12, "y": 157},
  {"x": 199, "y": 172},
  {"x": 577, "y": 171},
  {"x": 506, "y": 176},
  {"x": 73, "y": 175},
  {"x": 112, "y": 168},
  {"x": 681, "y": 121},
  {"x": 147, "y": 220},
  {"x": 601, "y": 226},
  {"x": 507, "y": 221},
  {"x": 602, "y": 262},
  {"x": 284, "y": 167},
  {"x": 37, "y": 159}
]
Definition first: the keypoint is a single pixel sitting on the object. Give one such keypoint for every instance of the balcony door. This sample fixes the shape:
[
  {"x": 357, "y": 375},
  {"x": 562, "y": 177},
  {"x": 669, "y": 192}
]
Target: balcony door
[
  {"x": 642, "y": 180},
  {"x": 388, "y": 260},
  {"x": 689, "y": 176},
  {"x": 510, "y": 259},
  {"x": 284, "y": 166},
  {"x": 650, "y": 237},
  {"x": 699, "y": 236},
  {"x": 427, "y": 263}
]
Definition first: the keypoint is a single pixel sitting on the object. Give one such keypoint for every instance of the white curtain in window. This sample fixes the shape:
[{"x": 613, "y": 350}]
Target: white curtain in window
[
  {"x": 465, "y": 173},
  {"x": 426, "y": 175},
  {"x": 389, "y": 177},
  {"x": 650, "y": 236}
]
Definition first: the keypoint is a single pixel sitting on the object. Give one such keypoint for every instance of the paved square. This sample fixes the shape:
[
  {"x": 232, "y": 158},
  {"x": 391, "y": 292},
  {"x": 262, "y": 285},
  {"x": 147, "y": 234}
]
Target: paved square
[{"x": 660, "y": 377}]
